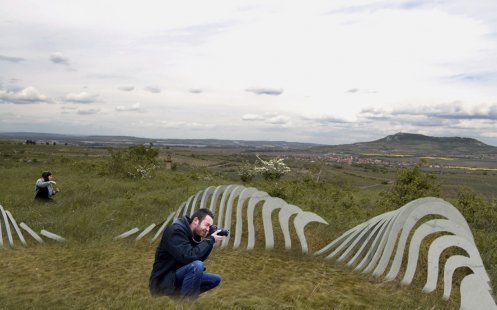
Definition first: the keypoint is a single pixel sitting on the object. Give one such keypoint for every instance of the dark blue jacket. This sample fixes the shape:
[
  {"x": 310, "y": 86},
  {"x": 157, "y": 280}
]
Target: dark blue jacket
[{"x": 176, "y": 249}]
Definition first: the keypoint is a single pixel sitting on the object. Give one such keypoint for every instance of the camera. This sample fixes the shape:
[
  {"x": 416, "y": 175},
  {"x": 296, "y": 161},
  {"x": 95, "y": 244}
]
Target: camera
[{"x": 223, "y": 232}]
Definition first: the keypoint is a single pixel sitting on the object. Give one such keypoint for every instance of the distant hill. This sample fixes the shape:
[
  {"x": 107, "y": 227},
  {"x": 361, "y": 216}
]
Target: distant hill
[
  {"x": 122, "y": 141},
  {"x": 414, "y": 144}
]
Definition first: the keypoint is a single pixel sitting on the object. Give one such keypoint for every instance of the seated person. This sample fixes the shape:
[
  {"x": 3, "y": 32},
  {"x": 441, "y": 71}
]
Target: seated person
[{"x": 44, "y": 186}]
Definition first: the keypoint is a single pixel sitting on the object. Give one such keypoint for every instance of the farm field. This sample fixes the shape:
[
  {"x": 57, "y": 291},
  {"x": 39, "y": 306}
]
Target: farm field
[{"x": 90, "y": 270}]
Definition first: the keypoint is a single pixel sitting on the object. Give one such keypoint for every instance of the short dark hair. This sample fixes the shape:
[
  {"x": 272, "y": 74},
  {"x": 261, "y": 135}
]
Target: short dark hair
[
  {"x": 201, "y": 214},
  {"x": 45, "y": 175}
]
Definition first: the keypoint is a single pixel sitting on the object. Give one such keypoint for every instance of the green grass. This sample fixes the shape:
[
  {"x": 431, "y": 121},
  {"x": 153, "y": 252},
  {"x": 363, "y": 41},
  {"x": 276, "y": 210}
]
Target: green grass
[
  {"x": 91, "y": 271},
  {"x": 115, "y": 276}
]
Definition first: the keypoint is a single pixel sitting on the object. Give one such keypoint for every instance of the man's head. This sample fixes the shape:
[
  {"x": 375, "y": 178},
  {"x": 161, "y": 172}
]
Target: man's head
[
  {"x": 46, "y": 175},
  {"x": 202, "y": 220}
]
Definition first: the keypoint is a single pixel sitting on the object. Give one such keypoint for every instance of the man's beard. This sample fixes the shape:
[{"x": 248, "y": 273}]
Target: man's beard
[{"x": 200, "y": 233}]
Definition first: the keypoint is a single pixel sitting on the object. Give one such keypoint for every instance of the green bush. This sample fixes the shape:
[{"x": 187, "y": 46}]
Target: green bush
[
  {"x": 410, "y": 184},
  {"x": 137, "y": 162}
]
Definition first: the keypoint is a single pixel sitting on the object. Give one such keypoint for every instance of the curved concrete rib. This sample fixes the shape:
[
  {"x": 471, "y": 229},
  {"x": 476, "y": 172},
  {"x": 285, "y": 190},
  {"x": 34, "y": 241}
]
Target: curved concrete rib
[
  {"x": 205, "y": 196},
  {"x": 1, "y": 237},
  {"x": 411, "y": 215},
  {"x": 164, "y": 225},
  {"x": 195, "y": 201},
  {"x": 178, "y": 212},
  {"x": 31, "y": 232},
  {"x": 336, "y": 242},
  {"x": 255, "y": 196},
  {"x": 18, "y": 231},
  {"x": 380, "y": 246},
  {"x": 7, "y": 227},
  {"x": 372, "y": 253},
  {"x": 222, "y": 204},
  {"x": 186, "y": 206},
  {"x": 215, "y": 197},
  {"x": 236, "y": 193},
  {"x": 51, "y": 235},
  {"x": 369, "y": 239},
  {"x": 253, "y": 202},
  {"x": 145, "y": 231},
  {"x": 443, "y": 243},
  {"x": 417, "y": 209},
  {"x": 244, "y": 195},
  {"x": 284, "y": 218},
  {"x": 127, "y": 234},
  {"x": 357, "y": 230},
  {"x": 360, "y": 238},
  {"x": 267, "y": 208},
  {"x": 430, "y": 227},
  {"x": 475, "y": 295},
  {"x": 301, "y": 220}
]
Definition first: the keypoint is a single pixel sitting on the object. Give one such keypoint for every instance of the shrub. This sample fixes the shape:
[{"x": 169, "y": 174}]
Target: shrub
[
  {"x": 137, "y": 161},
  {"x": 246, "y": 172},
  {"x": 410, "y": 184},
  {"x": 273, "y": 169}
]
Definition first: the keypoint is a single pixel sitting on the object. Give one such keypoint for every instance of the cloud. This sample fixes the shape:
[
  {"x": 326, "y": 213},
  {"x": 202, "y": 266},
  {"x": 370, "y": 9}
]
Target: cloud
[
  {"x": 476, "y": 77},
  {"x": 375, "y": 114},
  {"x": 268, "y": 117},
  {"x": 11, "y": 59},
  {"x": 58, "y": 58},
  {"x": 88, "y": 111},
  {"x": 153, "y": 89},
  {"x": 455, "y": 110},
  {"x": 264, "y": 91},
  {"x": 377, "y": 6},
  {"x": 195, "y": 91},
  {"x": 278, "y": 120},
  {"x": 28, "y": 95},
  {"x": 126, "y": 88},
  {"x": 134, "y": 107},
  {"x": 185, "y": 125},
  {"x": 82, "y": 97},
  {"x": 253, "y": 117},
  {"x": 360, "y": 91},
  {"x": 192, "y": 35},
  {"x": 323, "y": 119}
]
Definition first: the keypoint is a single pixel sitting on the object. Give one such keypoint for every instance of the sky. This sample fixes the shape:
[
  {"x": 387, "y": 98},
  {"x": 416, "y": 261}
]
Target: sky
[{"x": 329, "y": 72}]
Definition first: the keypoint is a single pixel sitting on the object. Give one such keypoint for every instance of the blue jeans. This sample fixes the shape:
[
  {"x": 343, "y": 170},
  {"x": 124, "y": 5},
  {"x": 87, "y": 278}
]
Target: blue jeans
[{"x": 193, "y": 281}]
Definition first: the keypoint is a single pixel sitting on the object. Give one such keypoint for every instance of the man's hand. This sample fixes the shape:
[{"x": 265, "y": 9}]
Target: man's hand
[
  {"x": 52, "y": 182},
  {"x": 216, "y": 237}
]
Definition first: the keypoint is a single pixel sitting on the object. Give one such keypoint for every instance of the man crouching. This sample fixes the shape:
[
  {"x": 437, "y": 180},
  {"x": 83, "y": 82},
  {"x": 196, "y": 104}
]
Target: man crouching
[{"x": 178, "y": 267}]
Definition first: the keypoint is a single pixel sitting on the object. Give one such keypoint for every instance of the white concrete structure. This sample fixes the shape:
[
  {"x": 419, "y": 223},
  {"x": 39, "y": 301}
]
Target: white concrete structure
[
  {"x": 221, "y": 201},
  {"x": 385, "y": 237},
  {"x": 7, "y": 221},
  {"x": 51, "y": 235}
]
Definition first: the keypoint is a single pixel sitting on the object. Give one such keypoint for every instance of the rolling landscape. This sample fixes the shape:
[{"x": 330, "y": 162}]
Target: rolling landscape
[
  {"x": 345, "y": 184},
  {"x": 350, "y": 147}
]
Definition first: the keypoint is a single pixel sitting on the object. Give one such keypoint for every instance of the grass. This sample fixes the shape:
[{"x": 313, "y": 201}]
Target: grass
[
  {"x": 91, "y": 271},
  {"x": 115, "y": 276}
]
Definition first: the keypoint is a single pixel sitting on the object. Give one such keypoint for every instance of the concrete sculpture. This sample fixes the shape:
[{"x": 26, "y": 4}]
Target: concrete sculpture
[
  {"x": 385, "y": 239},
  {"x": 371, "y": 247},
  {"x": 8, "y": 220},
  {"x": 221, "y": 200}
]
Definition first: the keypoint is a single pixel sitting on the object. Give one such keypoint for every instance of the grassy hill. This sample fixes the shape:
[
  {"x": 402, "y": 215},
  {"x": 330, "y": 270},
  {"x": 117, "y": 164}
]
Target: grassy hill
[
  {"x": 415, "y": 144},
  {"x": 91, "y": 271}
]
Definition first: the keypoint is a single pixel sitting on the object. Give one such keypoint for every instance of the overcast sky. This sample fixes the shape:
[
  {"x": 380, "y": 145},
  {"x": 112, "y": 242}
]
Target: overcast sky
[{"x": 330, "y": 72}]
